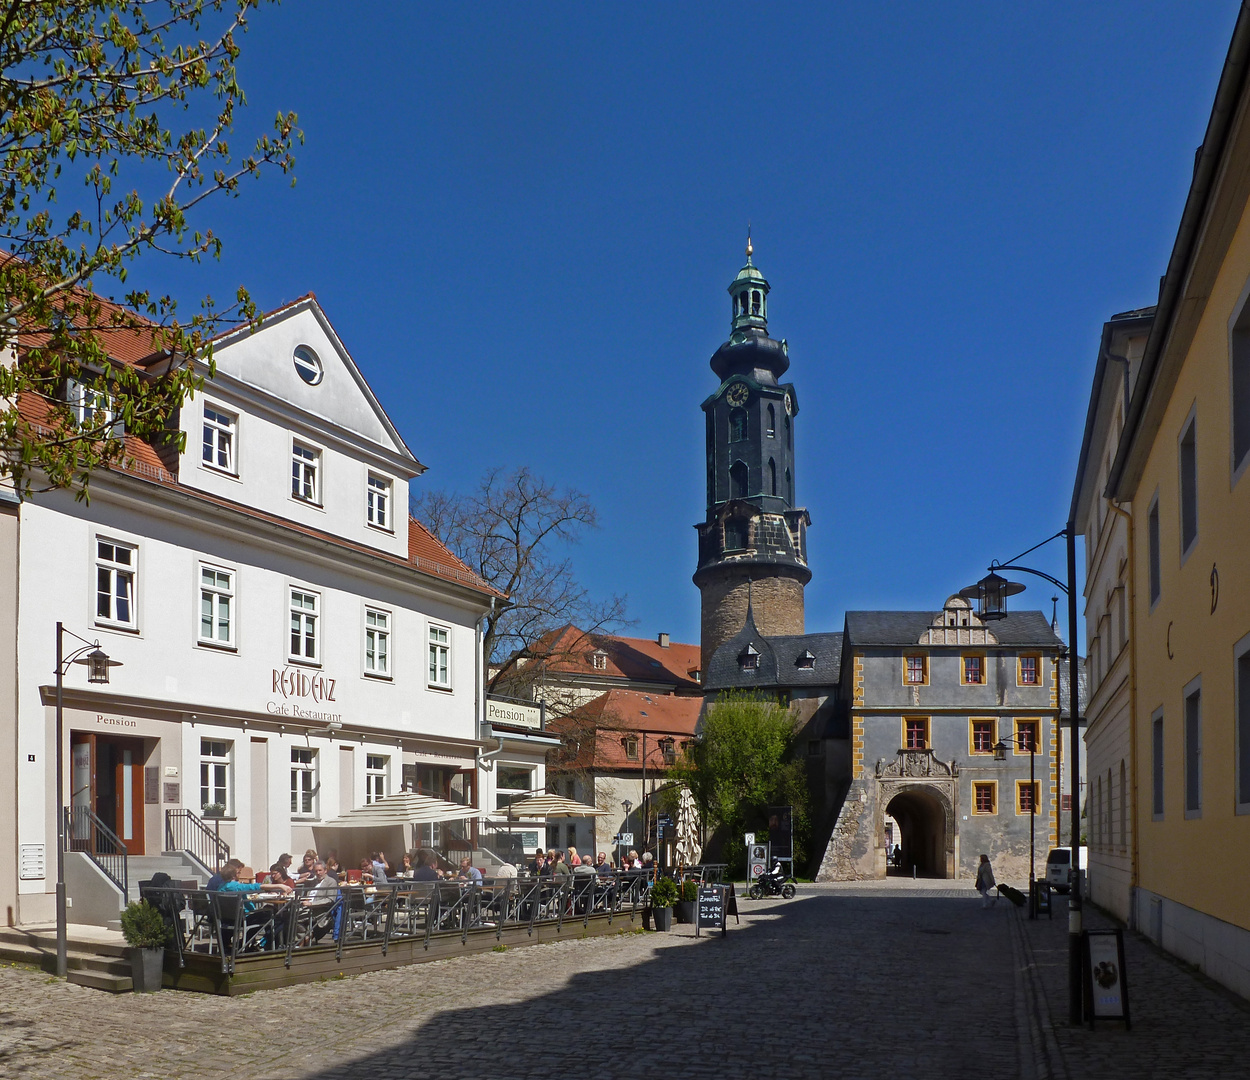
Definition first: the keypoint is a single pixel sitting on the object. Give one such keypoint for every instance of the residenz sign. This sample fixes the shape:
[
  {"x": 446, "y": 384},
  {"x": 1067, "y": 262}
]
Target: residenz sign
[
  {"x": 513, "y": 714},
  {"x": 294, "y": 689}
]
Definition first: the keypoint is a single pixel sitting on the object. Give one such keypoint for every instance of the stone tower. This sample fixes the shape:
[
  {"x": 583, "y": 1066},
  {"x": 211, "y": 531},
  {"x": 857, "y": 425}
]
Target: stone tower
[{"x": 753, "y": 543}]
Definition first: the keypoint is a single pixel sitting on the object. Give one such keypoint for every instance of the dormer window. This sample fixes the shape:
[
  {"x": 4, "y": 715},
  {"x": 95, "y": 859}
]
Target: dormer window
[
  {"x": 92, "y": 408},
  {"x": 749, "y": 658},
  {"x": 599, "y": 661},
  {"x": 805, "y": 660},
  {"x": 631, "y": 748}
]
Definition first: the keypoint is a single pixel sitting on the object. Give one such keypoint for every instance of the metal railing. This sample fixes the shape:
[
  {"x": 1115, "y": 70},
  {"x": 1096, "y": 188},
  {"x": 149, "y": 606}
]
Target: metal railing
[
  {"x": 186, "y": 832},
  {"x": 87, "y": 833},
  {"x": 232, "y": 925}
]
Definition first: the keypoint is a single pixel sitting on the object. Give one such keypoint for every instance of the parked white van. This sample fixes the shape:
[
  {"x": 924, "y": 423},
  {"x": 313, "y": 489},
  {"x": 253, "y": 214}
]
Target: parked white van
[{"x": 1058, "y": 865}]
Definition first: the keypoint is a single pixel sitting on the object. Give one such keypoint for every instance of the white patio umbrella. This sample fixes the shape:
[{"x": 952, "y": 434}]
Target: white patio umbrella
[
  {"x": 404, "y": 808},
  {"x": 688, "y": 850},
  {"x": 547, "y": 806}
]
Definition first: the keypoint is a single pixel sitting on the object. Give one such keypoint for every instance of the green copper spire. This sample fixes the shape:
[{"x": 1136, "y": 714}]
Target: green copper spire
[{"x": 749, "y": 291}]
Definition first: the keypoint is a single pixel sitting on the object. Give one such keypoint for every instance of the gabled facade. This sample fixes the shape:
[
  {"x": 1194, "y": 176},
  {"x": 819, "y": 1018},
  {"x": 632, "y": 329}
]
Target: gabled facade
[
  {"x": 1107, "y": 528},
  {"x": 1181, "y": 465},
  {"x": 927, "y": 697},
  {"x": 292, "y": 644}
]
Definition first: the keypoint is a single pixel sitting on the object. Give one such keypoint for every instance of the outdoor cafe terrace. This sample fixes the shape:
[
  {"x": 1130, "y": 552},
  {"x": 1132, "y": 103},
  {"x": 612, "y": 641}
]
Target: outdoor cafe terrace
[{"x": 232, "y": 942}]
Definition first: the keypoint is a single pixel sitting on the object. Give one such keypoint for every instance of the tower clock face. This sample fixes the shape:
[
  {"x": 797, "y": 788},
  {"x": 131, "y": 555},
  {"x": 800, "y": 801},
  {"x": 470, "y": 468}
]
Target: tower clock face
[
  {"x": 737, "y": 394},
  {"x": 789, "y": 403}
]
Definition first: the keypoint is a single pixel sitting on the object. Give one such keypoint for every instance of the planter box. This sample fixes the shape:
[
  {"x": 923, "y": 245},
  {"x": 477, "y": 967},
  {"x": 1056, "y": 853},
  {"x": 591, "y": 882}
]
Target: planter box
[
  {"x": 683, "y": 911},
  {"x": 147, "y": 969},
  {"x": 662, "y": 917}
]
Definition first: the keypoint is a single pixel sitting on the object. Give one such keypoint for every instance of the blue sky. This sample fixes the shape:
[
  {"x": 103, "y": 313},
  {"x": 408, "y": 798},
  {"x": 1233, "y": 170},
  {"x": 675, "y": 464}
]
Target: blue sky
[{"x": 522, "y": 221}]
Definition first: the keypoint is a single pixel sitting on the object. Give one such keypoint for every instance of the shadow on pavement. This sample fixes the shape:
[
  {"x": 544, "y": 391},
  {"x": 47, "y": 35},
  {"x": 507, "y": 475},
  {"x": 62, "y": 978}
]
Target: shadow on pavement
[{"x": 822, "y": 986}]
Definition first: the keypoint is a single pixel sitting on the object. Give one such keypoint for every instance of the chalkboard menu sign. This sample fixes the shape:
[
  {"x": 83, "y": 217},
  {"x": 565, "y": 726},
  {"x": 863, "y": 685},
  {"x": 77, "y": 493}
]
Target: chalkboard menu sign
[{"x": 711, "y": 911}]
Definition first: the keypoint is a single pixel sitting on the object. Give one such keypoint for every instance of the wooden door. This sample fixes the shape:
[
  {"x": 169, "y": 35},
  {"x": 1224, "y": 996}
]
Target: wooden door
[{"x": 127, "y": 757}]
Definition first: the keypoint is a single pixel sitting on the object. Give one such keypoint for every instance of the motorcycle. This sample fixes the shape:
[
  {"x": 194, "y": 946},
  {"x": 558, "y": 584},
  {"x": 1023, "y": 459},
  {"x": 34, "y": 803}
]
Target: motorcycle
[{"x": 772, "y": 883}]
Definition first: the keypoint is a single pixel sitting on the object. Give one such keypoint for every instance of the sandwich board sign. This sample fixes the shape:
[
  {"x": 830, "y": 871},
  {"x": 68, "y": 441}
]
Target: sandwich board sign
[
  {"x": 1106, "y": 981},
  {"x": 711, "y": 909}
]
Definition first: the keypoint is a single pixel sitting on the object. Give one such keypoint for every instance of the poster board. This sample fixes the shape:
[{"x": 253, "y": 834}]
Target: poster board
[{"x": 1105, "y": 976}]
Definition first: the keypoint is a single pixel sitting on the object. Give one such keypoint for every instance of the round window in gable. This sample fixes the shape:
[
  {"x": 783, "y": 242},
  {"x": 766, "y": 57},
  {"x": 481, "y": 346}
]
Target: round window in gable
[{"x": 308, "y": 365}]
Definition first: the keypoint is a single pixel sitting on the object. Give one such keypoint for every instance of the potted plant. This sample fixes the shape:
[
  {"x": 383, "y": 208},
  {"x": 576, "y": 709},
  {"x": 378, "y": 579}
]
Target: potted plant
[
  {"x": 663, "y": 896},
  {"x": 688, "y": 897},
  {"x": 146, "y": 934}
]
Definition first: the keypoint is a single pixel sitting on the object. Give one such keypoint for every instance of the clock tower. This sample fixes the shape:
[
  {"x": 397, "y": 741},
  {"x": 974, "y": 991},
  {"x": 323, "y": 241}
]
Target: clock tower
[{"x": 753, "y": 543}]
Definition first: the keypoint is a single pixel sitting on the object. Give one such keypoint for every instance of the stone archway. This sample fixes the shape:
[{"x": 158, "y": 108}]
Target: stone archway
[
  {"x": 923, "y": 821},
  {"x": 920, "y": 793}
]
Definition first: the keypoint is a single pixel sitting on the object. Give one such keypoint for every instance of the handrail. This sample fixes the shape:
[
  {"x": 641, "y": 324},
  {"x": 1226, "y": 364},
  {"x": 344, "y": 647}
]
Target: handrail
[
  {"x": 89, "y": 835},
  {"x": 186, "y": 832}
]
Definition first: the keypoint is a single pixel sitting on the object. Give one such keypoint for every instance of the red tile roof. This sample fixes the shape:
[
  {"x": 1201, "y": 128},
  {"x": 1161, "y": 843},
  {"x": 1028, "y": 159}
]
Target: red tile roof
[
  {"x": 572, "y": 651},
  {"x": 620, "y": 713}
]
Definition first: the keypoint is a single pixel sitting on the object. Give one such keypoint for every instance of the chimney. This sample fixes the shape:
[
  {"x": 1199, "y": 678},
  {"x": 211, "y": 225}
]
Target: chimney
[{"x": 662, "y": 640}]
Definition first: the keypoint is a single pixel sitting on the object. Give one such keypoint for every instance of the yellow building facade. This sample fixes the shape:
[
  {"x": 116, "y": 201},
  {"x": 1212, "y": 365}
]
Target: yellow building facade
[{"x": 1181, "y": 466}]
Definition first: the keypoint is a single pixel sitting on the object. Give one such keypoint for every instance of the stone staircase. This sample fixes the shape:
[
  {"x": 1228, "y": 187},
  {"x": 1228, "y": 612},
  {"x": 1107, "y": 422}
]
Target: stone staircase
[
  {"x": 96, "y": 956},
  {"x": 177, "y": 864}
]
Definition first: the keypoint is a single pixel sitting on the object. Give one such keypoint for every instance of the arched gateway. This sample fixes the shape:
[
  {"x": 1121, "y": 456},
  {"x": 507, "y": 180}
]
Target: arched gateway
[{"x": 919, "y": 792}]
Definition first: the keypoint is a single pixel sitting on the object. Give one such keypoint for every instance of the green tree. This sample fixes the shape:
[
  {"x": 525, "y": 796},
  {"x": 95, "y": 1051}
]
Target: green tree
[
  {"x": 114, "y": 117},
  {"x": 742, "y": 763}
]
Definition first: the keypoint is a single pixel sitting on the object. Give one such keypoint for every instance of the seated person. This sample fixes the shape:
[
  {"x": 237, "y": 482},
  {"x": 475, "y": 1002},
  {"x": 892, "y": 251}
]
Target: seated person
[
  {"x": 604, "y": 865},
  {"x": 538, "y": 862},
  {"x": 428, "y": 870},
  {"x": 378, "y": 868},
  {"x": 408, "y": 867},
  {"x": 217, "y": 880},
  {"x": 366, "y": 871},
  {"x": 584, "y": 867},
  {"x": 305, "y": 871},
  {"x": 241, "y": 880},
  {"x": 469, "y": 872},
  {"x": 279, "y": 872}
]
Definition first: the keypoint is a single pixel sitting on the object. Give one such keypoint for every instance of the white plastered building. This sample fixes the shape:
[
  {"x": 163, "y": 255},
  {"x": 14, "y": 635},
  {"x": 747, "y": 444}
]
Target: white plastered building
[{"x": 291, "y": 643}]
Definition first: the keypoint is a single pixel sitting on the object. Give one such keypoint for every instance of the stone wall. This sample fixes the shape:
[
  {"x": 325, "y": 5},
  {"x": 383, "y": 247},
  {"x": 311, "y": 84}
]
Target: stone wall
[{"x": 776, "y": 602}]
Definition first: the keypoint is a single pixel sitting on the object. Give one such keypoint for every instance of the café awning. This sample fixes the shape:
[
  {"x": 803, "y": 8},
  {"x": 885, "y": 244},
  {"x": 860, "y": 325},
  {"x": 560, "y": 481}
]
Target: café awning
[
  {"x": 405, "y": 808},
  {"x": 548, "y": 806}
]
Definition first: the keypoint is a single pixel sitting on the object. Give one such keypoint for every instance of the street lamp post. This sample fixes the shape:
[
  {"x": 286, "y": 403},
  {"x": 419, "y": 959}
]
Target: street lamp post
[
  {"x": 627, "y": 806},
  {"x": 1000, "y": 754},
  {"x": 991, "y": 592},
  {"x": 97, "y": 663}
]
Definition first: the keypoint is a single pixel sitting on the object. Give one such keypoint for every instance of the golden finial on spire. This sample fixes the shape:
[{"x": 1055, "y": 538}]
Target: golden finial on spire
[{"x": 750, "y": 249}]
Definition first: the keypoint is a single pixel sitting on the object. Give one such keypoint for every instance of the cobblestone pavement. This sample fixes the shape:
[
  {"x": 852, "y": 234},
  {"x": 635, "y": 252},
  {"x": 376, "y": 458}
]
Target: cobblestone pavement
[{"x": 893, "y": 981}]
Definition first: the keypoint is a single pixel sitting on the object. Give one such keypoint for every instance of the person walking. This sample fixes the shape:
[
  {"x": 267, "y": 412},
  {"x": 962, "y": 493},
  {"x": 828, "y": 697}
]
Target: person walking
[{"x": 985, "y": 881}]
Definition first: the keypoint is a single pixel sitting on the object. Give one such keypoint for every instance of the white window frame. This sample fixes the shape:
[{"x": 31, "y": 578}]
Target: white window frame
[
  {"x": 306, "y": 464},
  {"x": 1238, "y": 363},
  {"x": 86, "y": 401},
  {"x": 219, "y": 593},
  {"x": 219, "y": 430},
  {"x": 213, "y": 761},
  {"x": 302, "y": 612},
  {"x": 1189, "y": 426},
  {"x": 1158, "y": 775},
  {"x": 377, "y": 777},
  {"x": 304, "y": 781},
  {"x": 435, "y": 650},
  {"x": 115, "y": 568},
  {"x": 1154, "y": 552},
  {"x": 377, "y": 631},
  {"x": 379, "y": 501},
  {"x": 1191, "y": 743}
]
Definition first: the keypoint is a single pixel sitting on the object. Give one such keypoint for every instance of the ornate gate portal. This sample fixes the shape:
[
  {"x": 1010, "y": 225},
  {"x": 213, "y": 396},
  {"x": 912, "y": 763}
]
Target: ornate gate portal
[{"x": 921, "y": 794}]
